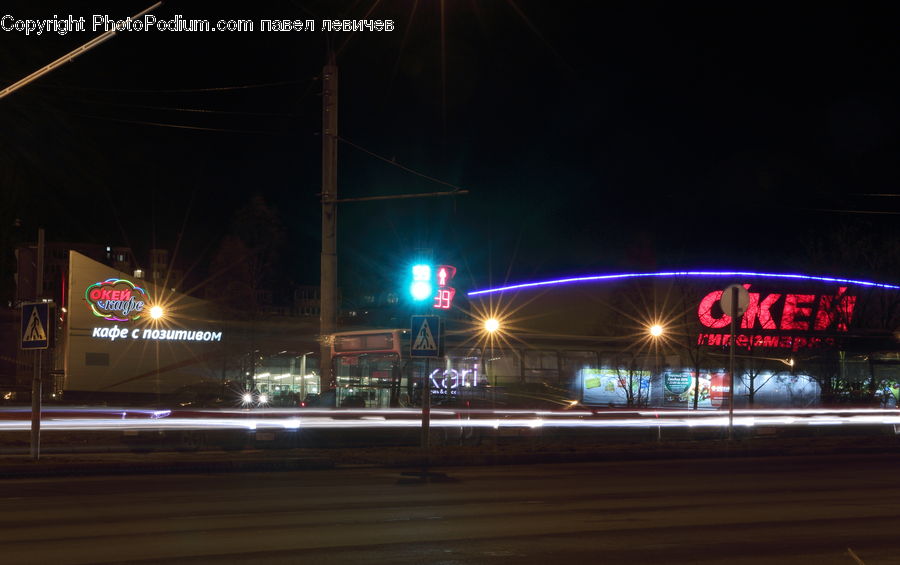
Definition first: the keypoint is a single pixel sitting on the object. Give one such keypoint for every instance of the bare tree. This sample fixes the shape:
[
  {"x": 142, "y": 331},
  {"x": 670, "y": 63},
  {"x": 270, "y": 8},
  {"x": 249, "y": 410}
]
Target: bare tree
[
  {"x": 246, "y": 259},
  {"x": 861, "y": 249}
]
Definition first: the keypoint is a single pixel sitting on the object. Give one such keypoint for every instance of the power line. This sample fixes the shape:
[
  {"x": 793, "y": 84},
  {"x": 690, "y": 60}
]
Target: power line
[
  {"x": 178, "y": 126},
  {"x": 837, "y": 211},
  {"x": 396, "y": 164},
  {"x": 193, "y": 110},
  {"x": 176, "y": 90}
]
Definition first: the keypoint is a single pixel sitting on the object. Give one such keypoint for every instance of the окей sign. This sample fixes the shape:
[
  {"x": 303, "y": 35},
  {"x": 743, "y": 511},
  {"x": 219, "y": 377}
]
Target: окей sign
[
  {"x": 811, "y": 314},
  {"x": 116, "y": 300}
]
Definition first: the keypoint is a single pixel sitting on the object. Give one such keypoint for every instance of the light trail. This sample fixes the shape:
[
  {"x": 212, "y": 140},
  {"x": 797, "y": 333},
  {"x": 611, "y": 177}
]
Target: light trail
[{"x": 80, "y": 419}]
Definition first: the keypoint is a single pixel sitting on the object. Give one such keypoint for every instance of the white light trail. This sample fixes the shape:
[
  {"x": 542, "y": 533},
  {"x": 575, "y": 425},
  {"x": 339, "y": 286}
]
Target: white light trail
[{"x": 102, "y": 419}]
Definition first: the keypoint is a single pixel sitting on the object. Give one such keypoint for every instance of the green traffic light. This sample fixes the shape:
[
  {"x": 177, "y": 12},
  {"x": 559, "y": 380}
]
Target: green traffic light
[{"x": 420, "y": 289}]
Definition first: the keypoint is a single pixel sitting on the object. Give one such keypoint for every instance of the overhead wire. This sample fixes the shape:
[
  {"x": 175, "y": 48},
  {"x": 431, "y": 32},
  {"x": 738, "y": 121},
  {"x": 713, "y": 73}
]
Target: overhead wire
[
  {"x": 311, "y": 83},
  {"x": 168, "y": 125},
  {"x": 191, "y": 110},
  {"x": 396, "y": 164},
  {"x": 174, "y": 90}
]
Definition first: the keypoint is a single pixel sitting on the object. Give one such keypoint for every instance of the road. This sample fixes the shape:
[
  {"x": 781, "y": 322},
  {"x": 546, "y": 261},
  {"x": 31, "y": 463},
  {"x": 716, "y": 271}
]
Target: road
[
  {"x": 773, "y": 510},
  {"x": 70, "y": 418}
]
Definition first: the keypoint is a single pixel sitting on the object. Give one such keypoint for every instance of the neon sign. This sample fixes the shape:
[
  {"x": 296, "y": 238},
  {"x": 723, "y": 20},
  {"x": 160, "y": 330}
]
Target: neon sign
[
  {"x": 116, "y": 300},
  {"x": 798, "y": 312},
  {"x": 679, "y": 274},
  {"x": 448, "y": 380}
]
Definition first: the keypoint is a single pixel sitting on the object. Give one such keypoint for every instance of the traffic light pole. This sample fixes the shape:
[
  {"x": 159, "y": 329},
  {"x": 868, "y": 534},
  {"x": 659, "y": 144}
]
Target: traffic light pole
[
  {"x": 36, "y": 380},
  {"x": 328, "y": 304}
]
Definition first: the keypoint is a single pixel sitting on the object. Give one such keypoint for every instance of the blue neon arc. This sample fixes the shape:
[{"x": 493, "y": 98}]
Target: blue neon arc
[{"x": 663, "y": 274}]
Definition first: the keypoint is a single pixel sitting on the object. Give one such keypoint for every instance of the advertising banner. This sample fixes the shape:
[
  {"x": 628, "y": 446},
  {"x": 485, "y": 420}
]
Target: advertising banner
[
  {"x": 611, "y": 387},
  {"x": 679, "y": 389}
]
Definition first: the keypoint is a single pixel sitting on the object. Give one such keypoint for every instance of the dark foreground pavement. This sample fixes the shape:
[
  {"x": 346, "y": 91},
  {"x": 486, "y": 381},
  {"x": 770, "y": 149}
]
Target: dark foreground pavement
[
  {"x": 834, "y": 510},
  {"x": 497, "y": 451}
]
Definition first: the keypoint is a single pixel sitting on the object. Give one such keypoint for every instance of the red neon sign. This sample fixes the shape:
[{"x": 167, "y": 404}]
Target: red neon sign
[
  {"x": 116, "y": 300},
  {"x": 798, "y": 312}
]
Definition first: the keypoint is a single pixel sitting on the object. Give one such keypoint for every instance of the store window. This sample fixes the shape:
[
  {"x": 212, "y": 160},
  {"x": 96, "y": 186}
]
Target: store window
[
  {"x": 540, "y": 366},
  {"x": 575, "y": 361},
  {"x": 502, "y": 366}
]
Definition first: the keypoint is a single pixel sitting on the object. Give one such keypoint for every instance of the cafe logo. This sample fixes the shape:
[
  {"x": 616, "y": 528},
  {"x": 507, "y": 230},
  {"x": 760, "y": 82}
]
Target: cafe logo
[{"x": 116, "y": 300}]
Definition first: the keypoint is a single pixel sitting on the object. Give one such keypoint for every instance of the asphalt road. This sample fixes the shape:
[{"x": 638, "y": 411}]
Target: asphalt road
[{"x": 735, "y": 511}]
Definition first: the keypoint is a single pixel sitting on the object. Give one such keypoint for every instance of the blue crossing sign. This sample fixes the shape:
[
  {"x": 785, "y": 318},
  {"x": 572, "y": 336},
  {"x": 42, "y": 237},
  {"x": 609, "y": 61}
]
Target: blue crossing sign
[
  {"x": 425, "y": 337},
  {"x": 35, "y": 325}
]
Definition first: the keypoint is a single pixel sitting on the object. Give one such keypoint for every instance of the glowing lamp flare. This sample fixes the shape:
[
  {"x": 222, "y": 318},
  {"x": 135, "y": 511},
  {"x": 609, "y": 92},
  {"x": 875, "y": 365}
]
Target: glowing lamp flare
[
  {"x": 491, "y": 325},
  {"x": 420, "y": 290},
  {"x": 656, "y": 330},
  {"x": 157, "y": 312}
]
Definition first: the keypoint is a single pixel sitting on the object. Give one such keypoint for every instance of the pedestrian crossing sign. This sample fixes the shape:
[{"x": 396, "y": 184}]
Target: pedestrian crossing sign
[
  {"x": 425, "y": 336},
  {"x": 36, "y": 328}
]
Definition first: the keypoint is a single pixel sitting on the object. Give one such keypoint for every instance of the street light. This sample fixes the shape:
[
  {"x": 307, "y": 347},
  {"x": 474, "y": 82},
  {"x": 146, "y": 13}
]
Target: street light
[
  {"x": 656, "y": 332},
  {"x": 157, "y": 313},
  {"x": 491, "y": 326}
]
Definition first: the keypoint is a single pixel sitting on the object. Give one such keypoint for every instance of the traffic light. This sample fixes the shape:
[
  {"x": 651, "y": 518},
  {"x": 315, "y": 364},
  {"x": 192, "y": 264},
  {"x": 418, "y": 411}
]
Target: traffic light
[
  {"x": 444, "y": 297},
  {"x": 421, "y": 287},
  {"x": 428, "y": 282}
]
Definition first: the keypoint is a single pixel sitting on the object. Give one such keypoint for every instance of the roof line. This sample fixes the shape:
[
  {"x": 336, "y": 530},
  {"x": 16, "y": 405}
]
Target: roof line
[{"x": 662, "y": 274}]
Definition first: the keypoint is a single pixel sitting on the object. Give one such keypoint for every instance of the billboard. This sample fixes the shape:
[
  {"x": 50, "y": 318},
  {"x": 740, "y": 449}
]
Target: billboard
[
  {"x": 681, "y": 386},
  {"x": 614, "y": 387}
]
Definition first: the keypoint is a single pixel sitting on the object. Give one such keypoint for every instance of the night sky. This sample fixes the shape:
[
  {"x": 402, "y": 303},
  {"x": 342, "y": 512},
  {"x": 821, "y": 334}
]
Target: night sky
[{"x": 635, "y": 137}]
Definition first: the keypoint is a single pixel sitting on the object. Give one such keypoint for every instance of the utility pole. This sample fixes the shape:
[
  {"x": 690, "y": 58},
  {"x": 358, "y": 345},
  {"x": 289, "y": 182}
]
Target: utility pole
[
  {"x": 328, "y": 275},
  {"x": 328, "y": 280}
]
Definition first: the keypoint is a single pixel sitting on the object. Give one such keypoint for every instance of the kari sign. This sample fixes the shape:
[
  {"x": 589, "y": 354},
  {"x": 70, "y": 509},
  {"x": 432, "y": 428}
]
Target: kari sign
[
  {"x": 780, "y": 315},
  {"x": 448, "y": 380},
  {"x": 116, "y": 300}
]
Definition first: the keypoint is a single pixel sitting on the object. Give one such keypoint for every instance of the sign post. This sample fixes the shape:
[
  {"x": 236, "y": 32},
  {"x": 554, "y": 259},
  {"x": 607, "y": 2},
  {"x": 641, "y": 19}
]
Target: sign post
[
  {"x": 735, "y": 300},
  {"x": 35, "y": 335},
  {"x": 426, "y": 339},
  {"x": 427, "y": 336}
]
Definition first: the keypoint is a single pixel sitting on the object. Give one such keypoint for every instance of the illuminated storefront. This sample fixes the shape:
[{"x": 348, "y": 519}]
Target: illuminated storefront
[
  {"x": 801, "y": 341},
  {"x": 128, "y": 340},
  {"x": 128, "y": 337}
]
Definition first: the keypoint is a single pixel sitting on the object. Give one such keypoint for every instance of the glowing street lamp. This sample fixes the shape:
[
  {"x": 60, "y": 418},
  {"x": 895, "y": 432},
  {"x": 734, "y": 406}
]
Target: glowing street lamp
[
  {"x": 492, "y": 325},
  {"x": 656, "y": 330},
  {"x": 157, "y": 312}
]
